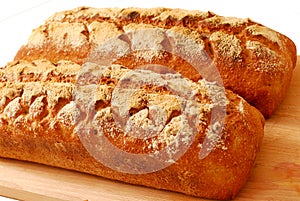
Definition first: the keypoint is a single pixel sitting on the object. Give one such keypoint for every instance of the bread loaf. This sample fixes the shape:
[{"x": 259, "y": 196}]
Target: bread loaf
[
  {"x": 42, "y": 106},
  {"x": 253, "y": 60}
]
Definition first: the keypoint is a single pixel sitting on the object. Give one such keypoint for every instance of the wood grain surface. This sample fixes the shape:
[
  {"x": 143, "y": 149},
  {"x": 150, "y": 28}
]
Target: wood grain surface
[{"x": 276, "y": 175}]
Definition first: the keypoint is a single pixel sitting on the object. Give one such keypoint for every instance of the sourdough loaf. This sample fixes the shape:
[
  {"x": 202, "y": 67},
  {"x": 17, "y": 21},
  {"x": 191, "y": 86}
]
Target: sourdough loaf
[
  {"x": 253, "y": 60},
  {"x": 39, "y": 118}
]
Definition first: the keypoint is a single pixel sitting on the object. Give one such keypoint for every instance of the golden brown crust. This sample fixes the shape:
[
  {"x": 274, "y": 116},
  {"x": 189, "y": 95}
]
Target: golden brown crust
[
  {"x": 254, "y": 61},
  {"x": 37, "y": 123}
]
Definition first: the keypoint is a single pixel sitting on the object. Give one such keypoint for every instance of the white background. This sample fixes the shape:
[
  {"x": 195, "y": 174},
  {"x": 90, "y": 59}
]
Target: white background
[{"x": 19, "y": 17}]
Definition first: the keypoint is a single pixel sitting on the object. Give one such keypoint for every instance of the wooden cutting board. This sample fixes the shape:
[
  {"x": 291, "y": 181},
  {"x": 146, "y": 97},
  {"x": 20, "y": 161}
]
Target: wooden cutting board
[{"x": 276, "y": 175}]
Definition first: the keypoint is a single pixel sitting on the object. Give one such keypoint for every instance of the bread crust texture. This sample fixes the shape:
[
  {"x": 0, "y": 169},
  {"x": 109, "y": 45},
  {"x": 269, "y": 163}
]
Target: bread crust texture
[
  {"x": 254, "y": 61},
  {"x": 42, "y": 108}
]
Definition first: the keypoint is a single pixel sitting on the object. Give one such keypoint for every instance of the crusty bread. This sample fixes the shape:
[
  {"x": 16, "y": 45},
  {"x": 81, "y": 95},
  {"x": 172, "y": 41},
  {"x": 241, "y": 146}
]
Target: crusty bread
[
  {"x": 39, "y": 123},
  {"x": 253, "y": 60}
]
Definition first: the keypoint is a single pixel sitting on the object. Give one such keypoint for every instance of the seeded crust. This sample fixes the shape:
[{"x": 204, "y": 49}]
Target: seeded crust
[
  {"x": 253, "y": 60},
  {"x": 38, "y": 123}
]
